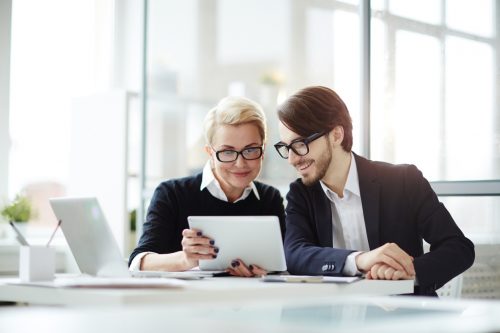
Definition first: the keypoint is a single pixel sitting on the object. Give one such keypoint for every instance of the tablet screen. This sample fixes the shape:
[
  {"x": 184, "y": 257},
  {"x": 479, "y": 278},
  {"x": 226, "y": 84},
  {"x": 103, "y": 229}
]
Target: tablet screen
[{"x": 254, "y": 239}]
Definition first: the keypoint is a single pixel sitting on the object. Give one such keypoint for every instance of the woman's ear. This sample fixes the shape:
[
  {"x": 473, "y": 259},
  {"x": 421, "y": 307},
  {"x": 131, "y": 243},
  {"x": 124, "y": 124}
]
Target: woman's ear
[{"x": 208, "y": 150}]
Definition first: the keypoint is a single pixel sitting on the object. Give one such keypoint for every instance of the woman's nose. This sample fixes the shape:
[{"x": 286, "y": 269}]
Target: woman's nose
[{"x": 240, "y": 160}]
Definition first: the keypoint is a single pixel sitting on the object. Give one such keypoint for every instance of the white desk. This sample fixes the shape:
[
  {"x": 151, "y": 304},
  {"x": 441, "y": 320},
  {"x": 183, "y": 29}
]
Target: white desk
[
  {"x": 312, "y": 315},
  {"x": 208, "y": 290}
]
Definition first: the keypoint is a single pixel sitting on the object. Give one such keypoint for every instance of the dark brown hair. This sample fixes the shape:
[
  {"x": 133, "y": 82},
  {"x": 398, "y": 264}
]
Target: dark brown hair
[{"x": 314, "y": 110}]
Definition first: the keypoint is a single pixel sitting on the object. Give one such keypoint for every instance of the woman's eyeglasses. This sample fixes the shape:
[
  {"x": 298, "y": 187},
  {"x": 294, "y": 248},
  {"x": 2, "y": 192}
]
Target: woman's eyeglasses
[{"x": 229, "y": 155}]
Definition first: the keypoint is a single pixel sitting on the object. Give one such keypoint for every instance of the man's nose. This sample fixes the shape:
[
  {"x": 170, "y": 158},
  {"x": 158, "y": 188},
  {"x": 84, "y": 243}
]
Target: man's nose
[{"x": 292, "y": 157}]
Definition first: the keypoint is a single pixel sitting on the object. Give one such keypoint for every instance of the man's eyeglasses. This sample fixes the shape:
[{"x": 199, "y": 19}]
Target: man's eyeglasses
[
  {"x": 299, "y": 146},
  {"x": 229, "y": 155}
]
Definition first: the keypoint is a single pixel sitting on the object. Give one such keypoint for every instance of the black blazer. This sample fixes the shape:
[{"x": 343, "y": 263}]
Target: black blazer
[{"x": 399, "y": 206}]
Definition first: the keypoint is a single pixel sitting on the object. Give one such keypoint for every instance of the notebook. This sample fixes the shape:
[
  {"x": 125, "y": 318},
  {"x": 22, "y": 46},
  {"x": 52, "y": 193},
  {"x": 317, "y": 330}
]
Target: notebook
[
  {"x": 93, "y": 245},
  {"x": 254, "y": 239}
]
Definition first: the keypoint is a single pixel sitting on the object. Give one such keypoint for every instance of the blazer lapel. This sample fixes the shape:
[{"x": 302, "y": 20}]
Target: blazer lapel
[
  {"x": 370, "y": 196},
  {"x": 323, "y": 219}
]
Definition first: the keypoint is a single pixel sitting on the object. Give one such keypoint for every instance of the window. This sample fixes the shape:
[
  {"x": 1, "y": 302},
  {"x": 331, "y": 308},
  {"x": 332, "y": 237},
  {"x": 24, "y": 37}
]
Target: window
[
  {"x": 60, "y": 50},
  {"x": 434, "y": 69}
]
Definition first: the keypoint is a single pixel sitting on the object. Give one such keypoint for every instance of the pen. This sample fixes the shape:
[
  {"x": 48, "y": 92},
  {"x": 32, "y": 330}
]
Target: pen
[
  {"x": 20, "y": 238},
  {"x": 52, "y": 236}
]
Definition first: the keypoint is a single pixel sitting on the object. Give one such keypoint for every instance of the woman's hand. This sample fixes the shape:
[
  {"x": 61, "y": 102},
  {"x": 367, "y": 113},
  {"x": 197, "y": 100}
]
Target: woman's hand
[
  {"x": 195, "y": 246},
  {"x": 238, "y": 268}
]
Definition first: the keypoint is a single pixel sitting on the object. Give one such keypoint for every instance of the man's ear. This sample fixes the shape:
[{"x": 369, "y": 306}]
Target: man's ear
[{"x": 337, "y": 134}]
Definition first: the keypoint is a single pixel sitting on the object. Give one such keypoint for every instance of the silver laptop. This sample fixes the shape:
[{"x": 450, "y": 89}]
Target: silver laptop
[
  {"x": 92, "y": 243},
  {"x": 254, "y": 239}
]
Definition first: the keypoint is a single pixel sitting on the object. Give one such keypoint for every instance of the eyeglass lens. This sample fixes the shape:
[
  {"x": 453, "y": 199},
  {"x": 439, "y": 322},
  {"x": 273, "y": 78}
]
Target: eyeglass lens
[{"x": 251, "y": 153}]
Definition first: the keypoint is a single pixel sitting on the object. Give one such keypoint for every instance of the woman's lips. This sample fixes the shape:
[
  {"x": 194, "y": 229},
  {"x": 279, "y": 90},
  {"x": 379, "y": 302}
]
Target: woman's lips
[{"x": 241, "y": 174}]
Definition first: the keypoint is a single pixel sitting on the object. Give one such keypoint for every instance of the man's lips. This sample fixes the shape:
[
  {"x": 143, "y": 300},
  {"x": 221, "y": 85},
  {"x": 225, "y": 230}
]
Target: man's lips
[{"x": 303, "y": 165}]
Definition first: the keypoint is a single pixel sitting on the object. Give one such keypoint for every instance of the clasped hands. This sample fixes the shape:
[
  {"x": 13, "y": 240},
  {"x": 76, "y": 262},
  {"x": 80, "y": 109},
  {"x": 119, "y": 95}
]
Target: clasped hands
[
  {"x": 196, "y": 246},
  {"x": 388, "y": 262}
]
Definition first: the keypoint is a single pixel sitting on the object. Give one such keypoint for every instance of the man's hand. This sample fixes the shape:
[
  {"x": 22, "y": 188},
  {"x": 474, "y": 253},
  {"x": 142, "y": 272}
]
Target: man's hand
[
  {"x": 195, "y": 246},
  {"x": 386, "y": 272},
  {"x": 389, "y": 255}
]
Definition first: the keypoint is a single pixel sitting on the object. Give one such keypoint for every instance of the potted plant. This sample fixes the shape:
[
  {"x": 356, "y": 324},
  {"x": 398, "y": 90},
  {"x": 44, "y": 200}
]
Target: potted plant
[{"x": 19, "y": 210}]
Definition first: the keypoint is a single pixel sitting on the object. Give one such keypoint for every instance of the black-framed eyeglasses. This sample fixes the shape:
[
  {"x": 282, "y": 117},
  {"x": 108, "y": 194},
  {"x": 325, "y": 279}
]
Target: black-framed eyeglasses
[
  {"x": 229, "y": 155},
  {"x": 299, "y": 146}
]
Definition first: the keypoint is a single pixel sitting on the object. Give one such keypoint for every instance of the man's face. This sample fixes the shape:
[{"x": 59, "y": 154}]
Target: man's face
[{"x": 313, "y": 166}]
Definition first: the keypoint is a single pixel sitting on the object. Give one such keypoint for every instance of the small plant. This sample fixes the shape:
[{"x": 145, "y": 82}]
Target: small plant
[
  {"x": 19, "y": 210},
  {"x": 133, "y": 218}
]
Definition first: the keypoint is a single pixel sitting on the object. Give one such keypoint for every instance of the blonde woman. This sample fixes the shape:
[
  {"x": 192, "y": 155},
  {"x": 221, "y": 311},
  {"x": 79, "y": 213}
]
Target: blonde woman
[{"x": 235, "y": 134}]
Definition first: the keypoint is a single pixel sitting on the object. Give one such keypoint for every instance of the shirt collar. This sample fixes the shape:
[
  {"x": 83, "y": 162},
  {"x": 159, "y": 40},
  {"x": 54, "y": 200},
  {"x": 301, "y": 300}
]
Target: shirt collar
[
  {"x": 209, "y": 181},
  {"x": 352, "y": 182}
]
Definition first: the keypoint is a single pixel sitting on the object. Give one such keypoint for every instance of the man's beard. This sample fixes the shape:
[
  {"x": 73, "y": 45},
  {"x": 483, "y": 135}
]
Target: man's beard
[{"x": 322, "y": 164}]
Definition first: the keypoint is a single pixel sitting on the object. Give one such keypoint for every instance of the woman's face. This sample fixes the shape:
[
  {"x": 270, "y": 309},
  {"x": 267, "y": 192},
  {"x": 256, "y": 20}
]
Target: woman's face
[{"x": 235, "y": 176}]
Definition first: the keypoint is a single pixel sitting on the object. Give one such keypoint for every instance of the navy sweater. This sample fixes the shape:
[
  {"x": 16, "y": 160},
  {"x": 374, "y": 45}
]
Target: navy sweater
[{"x": 174, "y": 200}]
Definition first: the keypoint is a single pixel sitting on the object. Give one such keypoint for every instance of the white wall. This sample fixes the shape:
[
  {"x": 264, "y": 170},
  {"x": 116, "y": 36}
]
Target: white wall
[
  {"x": 98, "y": 157},
  {"x": 5, "y": 33}
]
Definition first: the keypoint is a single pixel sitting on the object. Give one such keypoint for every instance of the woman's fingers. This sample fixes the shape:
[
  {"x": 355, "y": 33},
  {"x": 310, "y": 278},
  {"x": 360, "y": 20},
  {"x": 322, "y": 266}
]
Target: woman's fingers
[
  {"x": 201, "y": 249},
  {"x": 256, "y": 270},
  {"x": 239, "y": 268},
  {"x": 197, "y": 246}
]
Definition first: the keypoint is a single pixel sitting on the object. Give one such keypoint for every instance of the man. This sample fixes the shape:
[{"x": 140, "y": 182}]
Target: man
[{"x": 347, "y": 215}]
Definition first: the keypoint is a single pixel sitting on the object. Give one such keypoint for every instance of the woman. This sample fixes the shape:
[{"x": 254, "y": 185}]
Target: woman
[{"x": 235, "y": 134}]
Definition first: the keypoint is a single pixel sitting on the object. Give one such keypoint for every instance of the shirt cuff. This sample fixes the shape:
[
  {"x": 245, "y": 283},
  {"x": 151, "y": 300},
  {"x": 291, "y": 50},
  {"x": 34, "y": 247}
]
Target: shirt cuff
[
  {"x": 350, "y": 268},
  {"x": 135, "y": 265}
]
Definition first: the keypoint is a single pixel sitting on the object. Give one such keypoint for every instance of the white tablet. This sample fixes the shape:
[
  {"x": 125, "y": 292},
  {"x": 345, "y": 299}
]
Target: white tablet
[{"x": 254, "y": 239}]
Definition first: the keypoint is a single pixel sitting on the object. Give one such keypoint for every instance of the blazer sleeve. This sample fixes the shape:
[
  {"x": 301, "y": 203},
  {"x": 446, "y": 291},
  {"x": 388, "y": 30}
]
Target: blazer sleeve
[
  {"x": 451, "y": 253},
  {"x": 303, "y": 250}
]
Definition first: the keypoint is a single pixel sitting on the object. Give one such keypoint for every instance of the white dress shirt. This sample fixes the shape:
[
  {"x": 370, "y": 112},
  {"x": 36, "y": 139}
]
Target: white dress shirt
[
  {"x": 348, "y": 222},
  {"x": 208, "y": 181}
]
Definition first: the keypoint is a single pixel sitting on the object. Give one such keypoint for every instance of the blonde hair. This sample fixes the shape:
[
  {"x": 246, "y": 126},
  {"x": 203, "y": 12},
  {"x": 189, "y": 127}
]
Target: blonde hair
[{"x": 234, "y": 111}]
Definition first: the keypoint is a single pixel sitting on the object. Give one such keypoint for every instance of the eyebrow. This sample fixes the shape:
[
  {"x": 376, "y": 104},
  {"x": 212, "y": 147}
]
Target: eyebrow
[
  {"x": 253, "y": 144},
  {"x": 300, "y": 138},
  {"x": 294, "y": 140}
]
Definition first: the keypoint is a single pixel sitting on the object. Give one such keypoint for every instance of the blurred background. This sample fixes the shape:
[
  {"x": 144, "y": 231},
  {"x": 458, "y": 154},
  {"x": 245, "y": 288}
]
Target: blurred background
[{"x": 106, "y": 98}]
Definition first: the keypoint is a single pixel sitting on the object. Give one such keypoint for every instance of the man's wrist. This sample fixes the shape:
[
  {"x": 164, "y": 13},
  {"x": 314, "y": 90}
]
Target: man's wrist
[{"x": 351, "y": 267}]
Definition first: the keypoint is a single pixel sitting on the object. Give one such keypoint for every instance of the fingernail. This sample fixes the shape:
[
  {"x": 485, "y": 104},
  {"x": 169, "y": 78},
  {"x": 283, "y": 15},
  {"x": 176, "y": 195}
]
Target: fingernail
[
  {"x": 216, "y": 250},
  {"x": 234, "y": 263},
  {"x": 250, "y": 267},
  {"x": 212, "y": 242},
  {"x": 198, "y": 233}
]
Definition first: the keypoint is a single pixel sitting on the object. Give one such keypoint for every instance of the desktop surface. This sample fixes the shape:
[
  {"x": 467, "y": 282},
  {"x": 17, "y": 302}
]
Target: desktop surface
[
  {"x": 207, "y": 290},
  {"x": 336, "y": 314}
]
